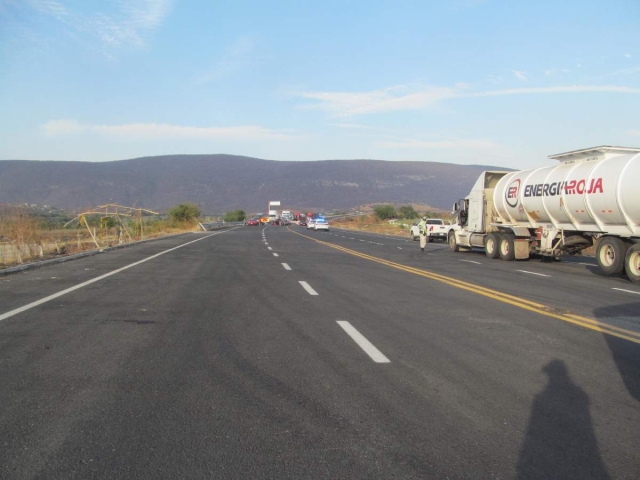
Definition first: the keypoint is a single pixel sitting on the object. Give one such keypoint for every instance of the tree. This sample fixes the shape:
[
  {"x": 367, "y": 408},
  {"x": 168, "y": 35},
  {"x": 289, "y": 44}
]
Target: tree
[
  {"x": 235, "y": 216},
  {"x": 407, "y": 212},
  {"x": 384, "y": 212},
  {"x": 185, "y": 212}
]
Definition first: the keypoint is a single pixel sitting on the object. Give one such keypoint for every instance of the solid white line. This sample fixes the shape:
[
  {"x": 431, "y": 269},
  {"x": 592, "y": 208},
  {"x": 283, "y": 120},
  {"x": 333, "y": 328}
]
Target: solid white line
[
  {"x": 29, "y": 306},
  {"x": 623, "y": 290},
  {"x": 275, "y": 254},
  {"x": 375, "y": 354},
  {"x": 471, "y": 261},
  {"x": 308, "y": 288},
  {"x": 286, "y": 266},
  {"x": 534, "y": 273},
  {"x": 269, "y": 248}
]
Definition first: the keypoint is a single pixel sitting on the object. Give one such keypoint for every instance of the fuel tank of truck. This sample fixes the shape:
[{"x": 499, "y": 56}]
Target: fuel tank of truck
[{"x": 592, "y": 190}]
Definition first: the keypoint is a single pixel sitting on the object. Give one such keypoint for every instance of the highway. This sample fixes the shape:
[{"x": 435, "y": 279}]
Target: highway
[{"x": 280, "y": 352}]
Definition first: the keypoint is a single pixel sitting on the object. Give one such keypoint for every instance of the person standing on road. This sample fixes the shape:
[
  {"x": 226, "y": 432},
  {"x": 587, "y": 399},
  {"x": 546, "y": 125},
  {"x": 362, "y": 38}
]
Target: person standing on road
[{"x": 422, "y": 226}]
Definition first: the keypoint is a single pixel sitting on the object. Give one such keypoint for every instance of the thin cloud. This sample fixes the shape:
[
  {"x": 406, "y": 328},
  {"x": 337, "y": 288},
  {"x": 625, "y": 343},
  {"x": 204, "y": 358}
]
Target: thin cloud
[
  {"x": 146, "y": 14},
  {"x": 236, "y": 56},
  {"x": 627, "y": 55},
  {"x": 521, "y": 75},
  {"x": 128, "y": 25},
  {"x": 558, "y": 89},
  {"x": 56, "y": 128},
  {"x": 618, "y": 73},
  {"x": 344, "y": 104},
  {"x": 49, "y": 7},
  {"x": 439, "y": 144},
  {"x": 633, "y": 133}
]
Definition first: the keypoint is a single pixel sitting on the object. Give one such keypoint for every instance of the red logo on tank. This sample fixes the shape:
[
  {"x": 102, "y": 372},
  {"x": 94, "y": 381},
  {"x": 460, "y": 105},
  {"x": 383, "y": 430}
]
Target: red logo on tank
[{"x": 511, "y": 194}]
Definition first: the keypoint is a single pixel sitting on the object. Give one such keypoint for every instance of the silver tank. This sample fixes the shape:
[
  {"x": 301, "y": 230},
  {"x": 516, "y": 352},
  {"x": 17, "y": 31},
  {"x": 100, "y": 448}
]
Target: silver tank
[{"x": 594, "y": 190}]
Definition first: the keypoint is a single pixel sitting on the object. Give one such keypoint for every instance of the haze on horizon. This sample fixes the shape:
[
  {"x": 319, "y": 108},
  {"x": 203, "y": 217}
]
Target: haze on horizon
[{"x": 466, "y": 81}]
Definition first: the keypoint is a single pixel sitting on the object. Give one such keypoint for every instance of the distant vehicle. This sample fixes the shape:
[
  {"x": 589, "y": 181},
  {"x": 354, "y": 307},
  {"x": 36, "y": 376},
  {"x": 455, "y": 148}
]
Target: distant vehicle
[
  {"x": 436, "y": 229},
  {"x": 311, "y": 223},
  {"x": 253, "y": 222},
  {"x": 302, "y": 222},
  {"x": 321, "y": 224}
]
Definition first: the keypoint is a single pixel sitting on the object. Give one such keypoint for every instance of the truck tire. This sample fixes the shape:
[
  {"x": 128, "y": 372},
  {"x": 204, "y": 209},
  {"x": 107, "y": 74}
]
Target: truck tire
[
  {"x": 453, "y": 243},
  {"x": 411, "y": 237},
  {"x": 492, "y": 245},
  {"x": 632, "y": 263},
  {"x": 610, "y": 255},
  {"x": 430, "y": 239},
  {"x": 507, "y": 252}
]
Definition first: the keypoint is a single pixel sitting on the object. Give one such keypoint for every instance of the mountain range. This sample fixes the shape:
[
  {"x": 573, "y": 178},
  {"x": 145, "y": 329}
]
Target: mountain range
[{"x": 218, "y": 183}]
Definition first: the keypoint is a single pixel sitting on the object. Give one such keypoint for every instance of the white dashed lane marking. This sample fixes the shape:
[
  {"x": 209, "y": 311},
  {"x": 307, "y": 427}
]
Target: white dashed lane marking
[
  {"x": 275, "y": 254},
  {"x": 534, "y": 273},
  {"x": 375, "y": 354},
  {"x": 627, "y": 291},
  {"x": 471, "y": 261},
  {"x": 308, "y": 288},
  {"x": 286, "y": 266}
]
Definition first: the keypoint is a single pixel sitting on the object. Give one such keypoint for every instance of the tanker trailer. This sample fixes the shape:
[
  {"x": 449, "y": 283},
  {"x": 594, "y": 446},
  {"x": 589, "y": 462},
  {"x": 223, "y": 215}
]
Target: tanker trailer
[{"x": 592, "y": 197}]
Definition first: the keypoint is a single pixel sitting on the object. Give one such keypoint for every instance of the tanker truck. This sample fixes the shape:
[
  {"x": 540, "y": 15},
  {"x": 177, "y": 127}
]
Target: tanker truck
[{"x": 591, "y": 198}]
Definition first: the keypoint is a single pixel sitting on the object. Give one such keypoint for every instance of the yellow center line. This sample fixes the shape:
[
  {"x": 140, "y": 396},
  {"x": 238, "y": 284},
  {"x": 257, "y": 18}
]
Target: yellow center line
[{"x": 495, "y": 294}]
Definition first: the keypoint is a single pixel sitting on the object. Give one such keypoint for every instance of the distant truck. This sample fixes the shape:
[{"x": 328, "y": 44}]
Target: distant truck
[
  {"x": 436, "y": 230},
  {"x": 273, "y": 216},
  {"x": 592, "y": 198}
]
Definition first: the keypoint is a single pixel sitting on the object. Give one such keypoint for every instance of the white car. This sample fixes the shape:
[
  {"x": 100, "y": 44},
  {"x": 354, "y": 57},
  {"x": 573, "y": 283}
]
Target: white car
[
  {"x": 321, "y": 224},
  {"x": 311, "y": 223},
  {"x": 436, "y": 228}
]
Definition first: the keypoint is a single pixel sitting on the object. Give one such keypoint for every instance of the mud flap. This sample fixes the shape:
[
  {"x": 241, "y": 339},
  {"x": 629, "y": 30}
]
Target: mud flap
[{"x": 521, "y": 248}]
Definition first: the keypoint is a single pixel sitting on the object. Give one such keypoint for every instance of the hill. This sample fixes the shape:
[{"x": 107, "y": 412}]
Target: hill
[{"x": 218, "y": 183}]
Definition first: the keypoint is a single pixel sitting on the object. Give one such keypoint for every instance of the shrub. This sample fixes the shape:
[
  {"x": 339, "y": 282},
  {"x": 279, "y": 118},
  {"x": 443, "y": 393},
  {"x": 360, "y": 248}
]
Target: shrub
[
  {"x": 235, "y": 216},
  {"x": 384, "y": 212},
  {"x": 184, "y": 212},
  {"x": 407, "y": 212}
]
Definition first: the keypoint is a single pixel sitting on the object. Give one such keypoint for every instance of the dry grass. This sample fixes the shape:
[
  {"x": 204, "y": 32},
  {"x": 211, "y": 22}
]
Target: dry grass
[
  {"x": 370, "y": 223},
  {"x": 23, "y": 239}
]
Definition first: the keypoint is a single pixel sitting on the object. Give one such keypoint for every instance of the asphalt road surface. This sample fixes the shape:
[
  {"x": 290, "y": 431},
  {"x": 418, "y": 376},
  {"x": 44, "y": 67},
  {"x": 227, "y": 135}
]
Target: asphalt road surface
[{"x": 279, "y": 352}]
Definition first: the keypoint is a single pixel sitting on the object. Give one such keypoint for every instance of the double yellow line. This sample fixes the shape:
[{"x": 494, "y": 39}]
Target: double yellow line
[{"x": 496, "y": 295}]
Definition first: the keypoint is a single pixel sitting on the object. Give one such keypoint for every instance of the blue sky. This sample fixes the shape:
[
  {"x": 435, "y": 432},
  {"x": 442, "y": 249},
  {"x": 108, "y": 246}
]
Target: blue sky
[{"x": 503, "y": 83}]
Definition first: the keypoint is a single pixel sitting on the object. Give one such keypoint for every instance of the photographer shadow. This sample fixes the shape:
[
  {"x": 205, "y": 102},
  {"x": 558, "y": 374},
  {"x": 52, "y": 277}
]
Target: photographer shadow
[{"x": 560, "y": 441}]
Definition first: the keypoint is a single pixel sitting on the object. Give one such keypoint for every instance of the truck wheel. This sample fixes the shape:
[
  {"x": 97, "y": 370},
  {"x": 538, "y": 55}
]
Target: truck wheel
[
  {"x": 610, "y": 254},
  {"x": 430, "y": 239},
  {"x": 411, "y": 237},
  {"x": 507, "y": 251},
  {"x": 453, "y": 243},
  {"x": 491, "y": 245},
  {"x": 632, "y": 263}
]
